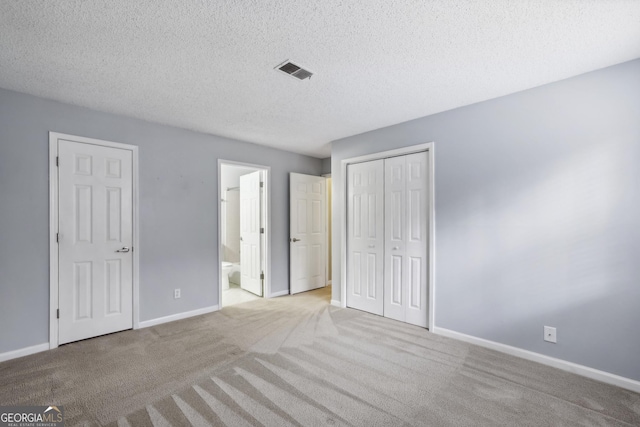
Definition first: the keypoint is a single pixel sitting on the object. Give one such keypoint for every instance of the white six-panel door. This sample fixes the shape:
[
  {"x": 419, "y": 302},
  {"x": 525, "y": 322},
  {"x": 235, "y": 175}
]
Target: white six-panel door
[
  {"x": 307, "y": 234},
  {"x": 365, "y": 240},
  {"x": 406, "y": 238},
  {"x": 95, "y": 240},
  {"x": 387, "y": 237},
  {"x": 250, "y": 220}
]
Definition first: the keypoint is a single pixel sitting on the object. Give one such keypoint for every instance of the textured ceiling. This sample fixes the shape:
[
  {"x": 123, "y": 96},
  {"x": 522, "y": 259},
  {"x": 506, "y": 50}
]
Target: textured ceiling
[{"x": 209, "y": 65}]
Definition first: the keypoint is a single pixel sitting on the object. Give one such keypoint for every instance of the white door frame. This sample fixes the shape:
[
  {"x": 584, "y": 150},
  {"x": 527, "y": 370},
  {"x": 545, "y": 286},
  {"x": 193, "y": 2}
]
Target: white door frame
[
  {"x": 53, "y": 227},
  {"x": 429, "y": 146},
  {"x": 327, "y": 222},
  {"x": 266, "y": 291}
]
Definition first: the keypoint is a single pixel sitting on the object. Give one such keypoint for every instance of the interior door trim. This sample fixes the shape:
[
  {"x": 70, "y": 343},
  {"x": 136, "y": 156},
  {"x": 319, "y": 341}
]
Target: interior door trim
[
  {"x": 428, "y": 146},
  {"x": 53, "y": 227}
]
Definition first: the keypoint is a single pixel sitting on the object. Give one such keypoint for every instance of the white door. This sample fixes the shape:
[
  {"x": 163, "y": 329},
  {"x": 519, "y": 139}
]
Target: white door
[
  {"x": 250, "y": 220},
  {"x": 365, "y": 239},
  {"x": 308, "y": 233},
  {"x": 95, "y": 239},
  {"x": 406, "y": 238}
]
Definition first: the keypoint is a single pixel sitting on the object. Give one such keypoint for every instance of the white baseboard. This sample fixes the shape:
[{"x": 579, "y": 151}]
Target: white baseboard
[
  {"x": 279, "y": 293},
  {"x": 179, "y": 316},
  {"x": 585, "y": 371},
  {"x": 336, "y": 303},
  {"x": 24, "y": 351}
]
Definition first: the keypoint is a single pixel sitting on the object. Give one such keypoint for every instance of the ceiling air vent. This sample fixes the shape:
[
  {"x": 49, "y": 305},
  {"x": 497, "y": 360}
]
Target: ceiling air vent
[{"x": 294, "y": 70}]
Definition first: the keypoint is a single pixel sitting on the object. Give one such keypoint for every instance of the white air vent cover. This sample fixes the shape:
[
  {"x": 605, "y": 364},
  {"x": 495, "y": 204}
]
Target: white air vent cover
[{"x": 294, "y": 70}]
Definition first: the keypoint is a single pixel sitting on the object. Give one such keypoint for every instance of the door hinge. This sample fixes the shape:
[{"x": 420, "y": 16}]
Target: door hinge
[
  {"x": 57, "y": 313},
  {"x": 261, "y": 230},
  {"x": 57, "y": 161},
  {"x": 262, "y": 276},
  {"x": 57, "y": 237},
  {"x": 261, "y": 184}
]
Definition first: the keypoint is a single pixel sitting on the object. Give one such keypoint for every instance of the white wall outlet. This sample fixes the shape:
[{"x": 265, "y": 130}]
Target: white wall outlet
[
  {"x": 550, "y": 334},
  {"x": 176, "y": 294}
]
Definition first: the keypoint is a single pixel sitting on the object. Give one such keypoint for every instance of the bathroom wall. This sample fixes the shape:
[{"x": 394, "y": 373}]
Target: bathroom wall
[
  {"x": 230, "y": 179},
  {"x": 231, "y": 226}
]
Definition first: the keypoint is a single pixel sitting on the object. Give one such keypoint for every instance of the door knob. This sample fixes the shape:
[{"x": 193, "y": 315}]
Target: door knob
[
  {"x": 125, "y": 249},
  {"x": 395, "y": 248},
  {"x": 295, "y": 240}
]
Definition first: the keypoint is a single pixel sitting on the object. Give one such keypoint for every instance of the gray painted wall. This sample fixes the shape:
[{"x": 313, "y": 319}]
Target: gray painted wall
[
  {"x": 537, "y": 216},
  {"x": 326, "y": 165},
  {"x": 178, "y": 210}
]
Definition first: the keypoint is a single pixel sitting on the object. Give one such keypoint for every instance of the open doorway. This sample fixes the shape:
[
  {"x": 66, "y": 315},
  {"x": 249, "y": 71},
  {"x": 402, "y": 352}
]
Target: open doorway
[{"x": 243, "y": 224}]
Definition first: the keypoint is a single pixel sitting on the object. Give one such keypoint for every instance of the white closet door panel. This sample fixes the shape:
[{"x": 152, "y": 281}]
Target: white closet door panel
[
  {"x": 406, "y": 239},
  {"x": 365, "y": 241},
  {"x": 395, "y": 233},
  {"x": 417, "y": 239}
]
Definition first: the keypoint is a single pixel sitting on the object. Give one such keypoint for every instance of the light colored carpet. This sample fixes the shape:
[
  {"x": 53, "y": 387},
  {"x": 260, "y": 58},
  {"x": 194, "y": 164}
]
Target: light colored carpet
[{"x": 295, "y": 361}]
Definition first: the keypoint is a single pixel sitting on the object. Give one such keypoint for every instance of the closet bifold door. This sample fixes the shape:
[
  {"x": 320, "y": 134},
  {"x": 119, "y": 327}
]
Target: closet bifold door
[
  {"x": 406, "y": 238},
  {"x": 365, "y": 236}
]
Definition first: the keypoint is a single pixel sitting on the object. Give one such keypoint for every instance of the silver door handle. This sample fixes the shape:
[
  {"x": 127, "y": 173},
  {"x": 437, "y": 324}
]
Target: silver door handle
[
  {"x": 125, "y": 249},
  {"x": 295, "y": 240},
  {"x": 395, "y": 248}
]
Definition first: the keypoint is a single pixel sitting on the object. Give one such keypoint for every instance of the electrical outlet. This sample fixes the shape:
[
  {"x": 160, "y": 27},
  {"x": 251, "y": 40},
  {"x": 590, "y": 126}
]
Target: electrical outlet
[
  {"x": 176, "y": 293},
  {"x": 550, "y": 334}
]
